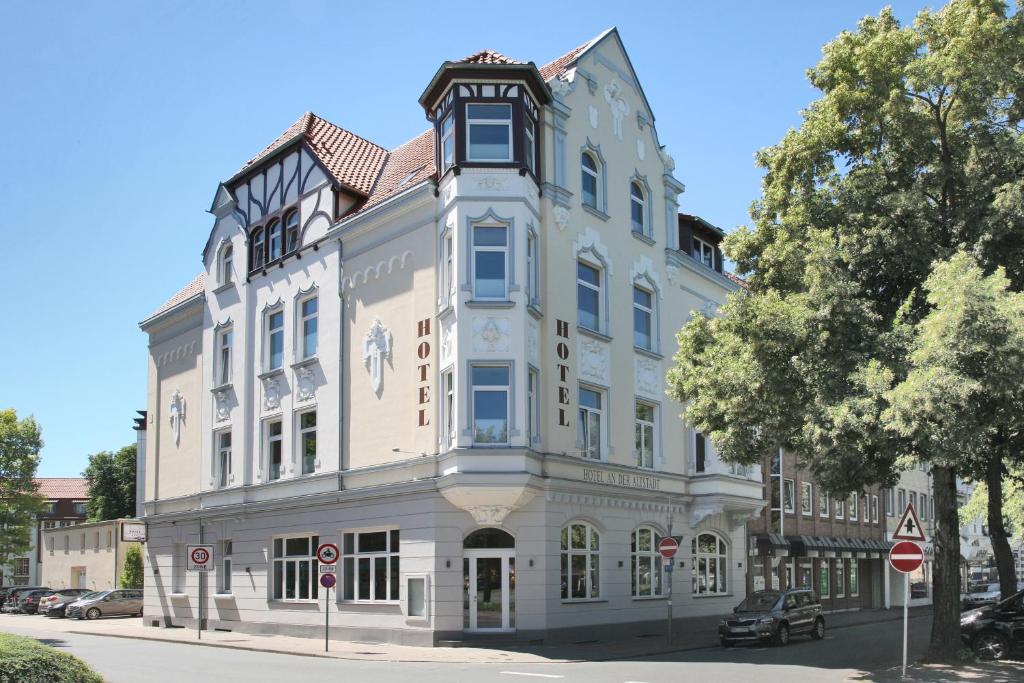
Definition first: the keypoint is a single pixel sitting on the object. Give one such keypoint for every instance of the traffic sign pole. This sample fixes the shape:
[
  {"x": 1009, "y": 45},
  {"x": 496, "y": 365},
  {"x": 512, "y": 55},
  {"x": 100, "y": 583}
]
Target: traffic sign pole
[
  {"x": 906, "y": 601},
  {"x": 327, "y": 618},
  {"x": 906, "y": 557}
]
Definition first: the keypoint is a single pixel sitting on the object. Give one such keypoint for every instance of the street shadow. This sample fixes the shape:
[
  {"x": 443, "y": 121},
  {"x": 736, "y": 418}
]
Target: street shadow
[
  {"x": 1008, "y": 671},
  {"x": 53, "y": 642}
]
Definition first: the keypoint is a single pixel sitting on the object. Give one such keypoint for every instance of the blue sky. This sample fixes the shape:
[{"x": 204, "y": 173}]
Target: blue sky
[{"x": 121, "y": 118}]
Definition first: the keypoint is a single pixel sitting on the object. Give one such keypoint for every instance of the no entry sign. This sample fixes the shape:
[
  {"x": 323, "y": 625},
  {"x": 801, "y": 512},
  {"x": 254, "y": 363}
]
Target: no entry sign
[
  {"x": 906, "y": 556},
  {"x": 668, "y": 547}
]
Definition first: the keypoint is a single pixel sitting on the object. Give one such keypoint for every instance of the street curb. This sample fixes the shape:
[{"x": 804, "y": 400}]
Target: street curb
[{"x": 321, "y": 655}]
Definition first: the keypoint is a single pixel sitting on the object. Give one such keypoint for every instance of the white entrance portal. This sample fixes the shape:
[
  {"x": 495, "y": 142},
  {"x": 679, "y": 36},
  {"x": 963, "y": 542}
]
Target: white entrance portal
[{"x": 489, "y": 577}]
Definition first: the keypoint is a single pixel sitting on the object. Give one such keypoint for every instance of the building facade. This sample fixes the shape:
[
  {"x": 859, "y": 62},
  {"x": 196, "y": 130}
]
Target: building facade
[
  {"x": 447, "y": 358},
  {"x": 65, "y": 500},
  {"x": 88, "y": 555},
  {"x": 807, "y": 537}
]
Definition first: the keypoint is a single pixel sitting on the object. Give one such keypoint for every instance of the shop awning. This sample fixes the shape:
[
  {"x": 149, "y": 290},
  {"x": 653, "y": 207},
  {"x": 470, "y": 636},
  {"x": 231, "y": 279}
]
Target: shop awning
[{"x": 763, "y": 544}]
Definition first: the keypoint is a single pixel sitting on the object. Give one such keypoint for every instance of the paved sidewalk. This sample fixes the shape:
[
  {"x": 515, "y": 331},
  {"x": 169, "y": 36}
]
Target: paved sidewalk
[{"x": 690, "y": 634}]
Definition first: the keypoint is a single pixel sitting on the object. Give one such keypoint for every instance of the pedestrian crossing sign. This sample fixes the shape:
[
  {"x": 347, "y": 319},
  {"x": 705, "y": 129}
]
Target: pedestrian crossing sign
[{"x": 909, "y": 528}]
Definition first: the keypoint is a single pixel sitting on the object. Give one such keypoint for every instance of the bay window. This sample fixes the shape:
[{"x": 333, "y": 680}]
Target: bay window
[
  {"x": 490, "y": 262},
  {"x": 489, "y": 128},
  {"x": 529, "y": 144},
  {"x": 490, "y": 404},
  {"x": 447, "y": 144}
]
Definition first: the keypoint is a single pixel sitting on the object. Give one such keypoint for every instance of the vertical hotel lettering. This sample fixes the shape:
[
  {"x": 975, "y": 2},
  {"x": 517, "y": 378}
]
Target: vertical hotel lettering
[
  {"x": 423, "y": 372},
  {"x": 562, "y": 351}
]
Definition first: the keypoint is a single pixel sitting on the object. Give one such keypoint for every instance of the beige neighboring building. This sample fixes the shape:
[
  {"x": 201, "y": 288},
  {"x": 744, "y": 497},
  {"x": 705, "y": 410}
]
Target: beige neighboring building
[
  {"x": 447, "y": 358},
  {"x": 88, "y": 555}
]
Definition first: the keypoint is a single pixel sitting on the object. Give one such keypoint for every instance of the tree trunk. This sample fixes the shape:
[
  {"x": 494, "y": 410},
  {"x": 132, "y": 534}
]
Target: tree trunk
[
  {"x": 996, "y": 528},
  {"x": 945, "y": 638}
]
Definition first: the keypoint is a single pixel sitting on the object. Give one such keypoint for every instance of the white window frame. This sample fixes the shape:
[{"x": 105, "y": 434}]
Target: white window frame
[
  {"x": 279, "y": 563},
  {"x": 224, "y": 569},
  {"x": 350, "y": 561},
  {"x": 643, "y": 426},
  {"x": 306, "y": 319},
  {"x": 825, "y": 572},
  {"x": 507, "y": 123},
  {"x": 259, "y": 248},
  {"x": 853, "y": 501},
  {"x": 923, "y": 513},
  {"x": 269, "y": 332},
  {"x": 268, "y": 445},
  {"x": 840, "y": 580},
  {"x": 806, "y": 498},
  {"x": 507, "y": 388},
  {"x": 222, "y": 472},
  {"x": 902, "y": 498},
  {"x": 702, "y": 250},
  {"x": 853, "y": 578},
  {"x": 225, "y": 342},
  {"x": 532, "y": 405},
  {"x": 300, "y": 443},
  {"x": 447, "y": 137},
  {"x": 700, "y": 443},
  {"x": 889, "y": 502},
  {"x": 640, "y": 201},
  {"x": 595, "y": 173},
  {"x": 599, "y": 288},
  {"x": 489, "y": 248},
  {"x": 839, "y": 508},
  {"x": 290, "y": 228},
  {"x": 271, "y": 227},
  {"x": 591, "y": 552},
  {"x": 585, "y": 423},
  {"x": 700, "y": 566},
  {"x": 530, "y": 143},
  {"x": 448, "y": 269},
  {"x": 650, "y": 313},
  {"x": 448, "y": 408},
  {"x": 650, "y": 557},
  {"x": 532, "y": 270},
  {"x": 874, "y": 508},
  {"x": 789, "y": 496},
  {"x": 225, "y": 261}
]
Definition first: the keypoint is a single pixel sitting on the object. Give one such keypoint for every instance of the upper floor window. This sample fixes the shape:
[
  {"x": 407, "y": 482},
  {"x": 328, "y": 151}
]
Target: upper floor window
[
  {"x": 258, "y": 255},
  {"x": 490, "y": 262},
  {"x": 588, "y": 296},
  {"x": 581, "y": 546},
  {"x": 224, "y": 356},
  {"x": 874, "y": 508},
  {"x": 227, "y": 257},
  {"x": 490, "y": 404},
  {"x": 447, "y": 144},
  {"x": 854, "y": 503},
  {"x": 823, "y": 503},
  {"x": 704, "y": 252},
  {"x": 273, "y": 446},
  {"x": 647, "y": 571},
  {"x": 50, "y": 507},
  {"x": 274, "y": 243},
  {"x": 789, "y": 495},
  {"x": 589, "y": 427},
  {"x": 223, "y": 457},
  {"x": 902, "y": 500},
  {"x": 448, "y": 279},
  {"x": 644, "y": 434},
  {"x": 490, "y": 132},
  {"x": 700, "y": 458},
  {"x": 591, "y": 173},
  {"x": 291, "y": 231},
  {"x": 307, "y": 441},
  {"x": 710, "y": 564},
  {"x": 888, "y": 503},
  {"x": 839, "y": 509},
  {"x": 448, "y": 384},
  {"x": 643, "y": 317},
  {"x": 638, "y": 219},
  {"x": 532, "y": 270},
  {"x": 80, "y": 508},
  {"x": 308, "y": 325},
  {"x": 532, "y": 404},
  {"x": 275, "y": 340},
  {"x": 806, "y": 498},
  {"x": 530, "y": 145}
]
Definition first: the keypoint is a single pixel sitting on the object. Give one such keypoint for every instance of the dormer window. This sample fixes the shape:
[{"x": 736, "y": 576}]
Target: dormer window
[
  {"x": 704, "y": 252},
  {"x": 256, "y": 258},
  {"x": 447, "y": 143},
  {"x": 489, "y": 130},
  {"x": 291, "y": 231},
  {"x": 274, "y": 241}
]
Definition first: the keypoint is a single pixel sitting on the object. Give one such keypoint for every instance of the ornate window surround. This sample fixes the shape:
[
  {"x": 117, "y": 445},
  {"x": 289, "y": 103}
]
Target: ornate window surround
[
  {"x": 589, "y": 249},
  {"x": 491, "y": 219},
  {"x": 303, "y": 294}
]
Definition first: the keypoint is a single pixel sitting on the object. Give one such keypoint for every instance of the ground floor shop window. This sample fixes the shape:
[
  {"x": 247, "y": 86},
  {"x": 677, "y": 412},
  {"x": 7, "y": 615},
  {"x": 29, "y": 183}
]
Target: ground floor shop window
[
  {"x": 854, "y": 575},
  {"x": 371, "y": 565},
  {"x": 581, "y": 548},
  {"x": 920, "y": 583},
  {"x": 646, "y": 563},
  {"x": 710, "y": 565},
  {"x": 806, "y": 574},
  {"x": 823, "y": 578},
  {"x": 840, "y": 579},
  {"x": 295, "y": 568}
]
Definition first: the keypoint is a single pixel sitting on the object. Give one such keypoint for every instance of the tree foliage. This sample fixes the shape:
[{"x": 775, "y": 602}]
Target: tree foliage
[
  {"x": 20, "y": 443},
  {"x": 111, "y": 479},
  {"x": 131, "y": 572},
  {"x": 912, "y": 153},
  {"x": 1012, "y": 503}
]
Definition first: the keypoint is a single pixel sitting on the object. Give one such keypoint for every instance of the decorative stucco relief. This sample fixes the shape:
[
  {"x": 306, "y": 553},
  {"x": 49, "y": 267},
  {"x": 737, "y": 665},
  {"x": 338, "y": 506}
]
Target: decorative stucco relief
[
  {"x": 648, "y": 377},
  {"x": 641, "y": 150},
  {"x": 383, "y": 268},
  {"x": 491, "y": 183},
  {"x": 643, "y": 268},
  {"x": 532, "y": 343},
  {"x": 491, "y": 335},
  {"x": 702, "y": 511},
  {"x": 590, "y": 240},
  {"x": 672, "y": 272},
  {"x": 593, "y": 363},
  {"x": 446, "y": 345},
  {"x": 176, "y": 411},
  {"x": 271, "y": 392},
  {"x": 222, "y": 408},
  {"x": 561, "y": 215},
  {"x": 377, "y": 350},
  {"x": 666, "y": 158},
  {"x": 305, "y": 385},
  {"x": 177, "y": 353},
  {"x": 560, "y": 86},
  {"x": 592, "y": 111},
  {"x": 618, "y": 106}
]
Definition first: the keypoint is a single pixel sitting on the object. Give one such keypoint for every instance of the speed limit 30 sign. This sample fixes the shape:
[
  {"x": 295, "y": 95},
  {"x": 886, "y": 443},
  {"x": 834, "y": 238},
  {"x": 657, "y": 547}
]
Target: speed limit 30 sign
[{"x": 199, "y": 558}]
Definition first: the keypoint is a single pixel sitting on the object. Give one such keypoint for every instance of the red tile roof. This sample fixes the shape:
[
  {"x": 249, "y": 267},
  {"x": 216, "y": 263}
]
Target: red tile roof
[
  {"x": 736, "y": 279},
  {"x": 62, "y": 487},
  {"x": 488, "y": 57},
  {"x": 194, "y": 288},
  {"x": 352, "y": 161},
  {"x": 408, "y": 164},
  {"x": 559, "y": 66}
]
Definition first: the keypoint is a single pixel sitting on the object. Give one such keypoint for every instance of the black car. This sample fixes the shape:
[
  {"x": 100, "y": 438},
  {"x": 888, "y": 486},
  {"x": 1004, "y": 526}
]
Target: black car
[
  {"x": 994, "y": 631},
  {"x": 28, "y": 602},
  {"x": 773, "y": 616},
  {"x": 11, "y": 604}
]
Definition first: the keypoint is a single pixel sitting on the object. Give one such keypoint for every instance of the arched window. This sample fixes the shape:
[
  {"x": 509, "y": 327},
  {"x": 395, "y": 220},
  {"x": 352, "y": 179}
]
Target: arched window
[
  {"x": 646, "y": 562},
  {"x": 581, "y": 545},
  {"x": 291, "y": 231},
  {"x": 590, "y": 178},
  {"x": 257, "y": 257},
  {"x": 710, "y": 565},
  {"x": 227, "y": 257},
  {"x": 274, "y": 241},
  {"x": 636, "y": 208}
]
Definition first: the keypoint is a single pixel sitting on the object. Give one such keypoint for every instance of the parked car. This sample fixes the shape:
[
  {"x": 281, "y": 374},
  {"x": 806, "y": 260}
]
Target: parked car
[
  {"x": 995, "y": 631},
  {"x": 984, "y": 594},
  {"x": 28, "y": 603},
  {"x": 108, "y": 604},
  {"x": 774, "y": 616},
  {"x": 60, "y": 597},
  {"x": 14, "y": 597},
  {"x": 59, "y": 608}
]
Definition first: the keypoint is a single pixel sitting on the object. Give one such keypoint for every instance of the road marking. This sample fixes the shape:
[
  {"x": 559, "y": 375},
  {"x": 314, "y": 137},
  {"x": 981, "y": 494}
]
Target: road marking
[{"x": 520, "y": 673}]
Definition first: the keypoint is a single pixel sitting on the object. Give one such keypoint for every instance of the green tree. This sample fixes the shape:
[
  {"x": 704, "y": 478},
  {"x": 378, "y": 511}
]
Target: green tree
[
  {"x": 131, "y": 572},
  {"x": 1012, "y": 506},
  {"x": 912, "y": 152},
  {"x": 20, "y": 443},
  {"x": 111, "y": 484}
]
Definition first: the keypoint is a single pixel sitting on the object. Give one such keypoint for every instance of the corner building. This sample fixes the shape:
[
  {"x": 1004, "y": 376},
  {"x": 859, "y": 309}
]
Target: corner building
[{"x": 448, "y": 358}]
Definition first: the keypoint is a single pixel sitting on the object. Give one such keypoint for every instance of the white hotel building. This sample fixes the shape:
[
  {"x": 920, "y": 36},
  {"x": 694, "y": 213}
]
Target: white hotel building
[{"x": 448, "y": 358}]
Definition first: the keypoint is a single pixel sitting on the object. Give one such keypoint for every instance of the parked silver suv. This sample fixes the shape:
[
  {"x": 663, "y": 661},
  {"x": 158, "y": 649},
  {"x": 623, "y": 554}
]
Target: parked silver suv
[{"x": 107, "y": 604}]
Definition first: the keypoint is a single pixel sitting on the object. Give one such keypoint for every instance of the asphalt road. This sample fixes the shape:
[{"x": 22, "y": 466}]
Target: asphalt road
[{"x": 845, "y": 654}]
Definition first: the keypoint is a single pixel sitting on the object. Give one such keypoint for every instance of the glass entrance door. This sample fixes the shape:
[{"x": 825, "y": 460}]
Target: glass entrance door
[{"x": 490, "y": 591}]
